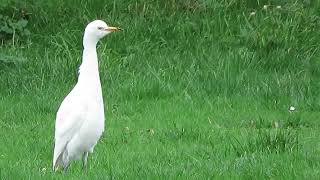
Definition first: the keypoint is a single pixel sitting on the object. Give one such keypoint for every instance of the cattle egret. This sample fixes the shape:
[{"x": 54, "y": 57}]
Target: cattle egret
[{"x": 80, "y": 118}]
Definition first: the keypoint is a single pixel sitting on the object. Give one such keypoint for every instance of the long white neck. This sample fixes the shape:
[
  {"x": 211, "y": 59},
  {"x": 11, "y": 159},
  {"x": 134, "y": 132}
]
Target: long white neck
[
  {"x": 89, "y": 69},
  {"x": 89, "y": 41}
]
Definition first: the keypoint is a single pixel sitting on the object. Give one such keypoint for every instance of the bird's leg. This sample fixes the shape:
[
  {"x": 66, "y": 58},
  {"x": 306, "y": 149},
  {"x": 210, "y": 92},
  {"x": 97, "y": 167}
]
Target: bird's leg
[
  {"x": 66, "y": 167},
  {"x": 66, "y": 162},
  {"x": 85, "y": 161}
]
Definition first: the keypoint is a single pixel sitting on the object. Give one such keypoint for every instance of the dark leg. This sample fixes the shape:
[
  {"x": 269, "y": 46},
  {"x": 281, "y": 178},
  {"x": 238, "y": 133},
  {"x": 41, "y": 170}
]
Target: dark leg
[
  {"x": 66, "y": 162},
  {"x": 66, "y": 167},
  {"x": 85, "y": 161}
]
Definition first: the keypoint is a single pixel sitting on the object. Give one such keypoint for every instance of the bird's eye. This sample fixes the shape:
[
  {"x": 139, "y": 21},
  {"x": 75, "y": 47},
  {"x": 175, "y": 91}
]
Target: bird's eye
[{"x": 100, "y": 28}]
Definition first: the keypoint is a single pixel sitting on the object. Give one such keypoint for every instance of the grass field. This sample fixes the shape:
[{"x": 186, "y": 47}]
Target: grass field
[{"x": 195, "y": 89}]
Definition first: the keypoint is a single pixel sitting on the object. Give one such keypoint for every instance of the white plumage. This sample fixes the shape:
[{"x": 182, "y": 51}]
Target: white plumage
[{"x": 80, "y": 118}]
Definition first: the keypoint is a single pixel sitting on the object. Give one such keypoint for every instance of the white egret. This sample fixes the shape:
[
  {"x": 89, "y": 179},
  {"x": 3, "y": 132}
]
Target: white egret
[{"x": 80, "y": 118}]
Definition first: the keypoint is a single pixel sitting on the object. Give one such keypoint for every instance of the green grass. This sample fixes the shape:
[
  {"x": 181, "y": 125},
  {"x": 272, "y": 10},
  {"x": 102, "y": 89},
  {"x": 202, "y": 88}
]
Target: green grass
[{"x": 193, "y": 89}]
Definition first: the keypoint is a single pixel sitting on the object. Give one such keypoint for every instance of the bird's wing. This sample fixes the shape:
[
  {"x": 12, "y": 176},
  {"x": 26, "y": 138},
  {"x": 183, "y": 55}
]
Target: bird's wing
[{"x": 69, "y": 120}]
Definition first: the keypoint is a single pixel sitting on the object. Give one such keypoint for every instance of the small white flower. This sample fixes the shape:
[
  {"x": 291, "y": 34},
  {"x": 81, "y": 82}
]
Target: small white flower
[
  {"x": 265, "y": 7},
  {"x": 292, "y": 108},
  {"x": 253, "y": 13},
  {"x": 151, "y": 131},
  {"x": 43, "y": 169},
  {"x": 278, "y": 7}
]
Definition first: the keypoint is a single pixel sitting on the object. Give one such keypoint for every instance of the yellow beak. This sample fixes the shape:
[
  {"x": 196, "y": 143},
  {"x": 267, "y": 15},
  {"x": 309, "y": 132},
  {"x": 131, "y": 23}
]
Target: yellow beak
[{"x": 113, "y": 29}]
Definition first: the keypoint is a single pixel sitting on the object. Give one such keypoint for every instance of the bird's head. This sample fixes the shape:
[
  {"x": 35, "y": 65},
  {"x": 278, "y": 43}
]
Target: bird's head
[{"x": 96, "y": 30}]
